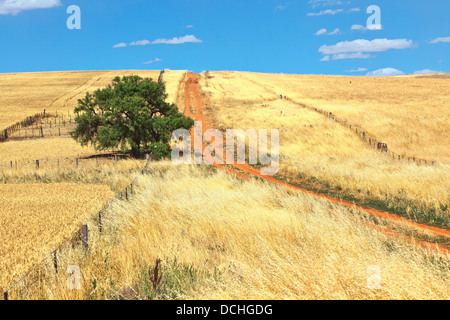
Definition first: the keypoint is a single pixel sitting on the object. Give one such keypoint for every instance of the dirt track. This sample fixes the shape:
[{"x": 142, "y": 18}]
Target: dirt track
[{"x": 195, "y": 102}]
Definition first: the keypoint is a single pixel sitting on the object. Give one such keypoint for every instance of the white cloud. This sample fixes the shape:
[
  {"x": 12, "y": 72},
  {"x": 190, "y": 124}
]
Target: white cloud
[
  {"x": 442, "y": 39},
  {"x": 425, "y": 71},
  {"x": 120, "y": 45},
  {"x": 15, "y": 6},
  {"x": 178, "y": 40},
  {"x": 152, "y": 61},
  {"x": 359, "y": 27},
  {"x": 320, "y": 32},
  {"x": 325, "y": 58},
  {"x": 189, "y": 26},
  {"x": 140, "y": 43},
  {"x": 325, "y": 3},
  {"x": 385, "y": 72},
  {"x": 356, "y": 70},
  {"x": 328, "y": 11},
  {"x": 355, "y": 55},
  {"x": 335, "y": 31},
  {"x": 355, "y": 10},
  {"x": 362, "y": 45}
]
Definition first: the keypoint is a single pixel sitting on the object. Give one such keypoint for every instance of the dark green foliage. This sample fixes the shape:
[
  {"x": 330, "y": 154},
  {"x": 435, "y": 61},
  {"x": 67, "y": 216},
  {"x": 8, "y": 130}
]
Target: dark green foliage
[{"x": 132, "y": 113}]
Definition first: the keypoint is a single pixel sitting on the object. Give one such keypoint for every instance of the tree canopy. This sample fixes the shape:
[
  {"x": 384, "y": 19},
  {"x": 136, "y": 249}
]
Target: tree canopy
[{"x": 131, "y": 113}]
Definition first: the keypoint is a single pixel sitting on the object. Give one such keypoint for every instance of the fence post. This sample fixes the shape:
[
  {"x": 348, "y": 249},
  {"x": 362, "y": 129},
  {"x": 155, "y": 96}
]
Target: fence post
[
  {"x": 84, "y": 236},
  {"x": 76, "y": 162},
  {"x": 126, "y": 193},
  {"x": 5, "y": 295},
  {"x": 37, "y": 164},
  {"x": 100, "y": 222},
  {"x": 55, "y": 261}
]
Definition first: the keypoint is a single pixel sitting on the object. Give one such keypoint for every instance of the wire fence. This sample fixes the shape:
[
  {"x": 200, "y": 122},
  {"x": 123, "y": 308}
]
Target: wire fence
[
  {"x": 40, "y": 125},
  {"x": 366, "y": 137},
  {"x": 33, "y": 284}
]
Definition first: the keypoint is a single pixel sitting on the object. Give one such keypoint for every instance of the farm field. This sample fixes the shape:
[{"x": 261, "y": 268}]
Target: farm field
[
  {"x": 409, "y": 113},
  {"x": 219, "y": 237},
  {"x": 24, "y": 94},
  {"x": 42, "y": 207},
  {"x": 322, "y": 154},
  {"x": 35, "y": 218}
]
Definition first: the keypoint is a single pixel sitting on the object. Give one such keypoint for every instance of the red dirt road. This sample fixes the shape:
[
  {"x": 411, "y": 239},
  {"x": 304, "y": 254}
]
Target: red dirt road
[{"x": 194, "y": 99}]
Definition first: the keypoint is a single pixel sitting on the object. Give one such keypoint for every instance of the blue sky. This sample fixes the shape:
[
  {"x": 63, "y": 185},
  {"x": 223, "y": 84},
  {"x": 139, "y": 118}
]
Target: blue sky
[{"x": 292, "y": 36}]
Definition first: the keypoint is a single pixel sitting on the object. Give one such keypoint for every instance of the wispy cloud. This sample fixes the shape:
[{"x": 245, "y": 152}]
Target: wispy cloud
[
  {"x": 362, "y": 45},
  {"x": 358, "y": 27},
  {"x": 140, "y": 43},
  {"x": 189, "y": 26},
  {"x": 325, "y": 12},
  {"x": 356, "y": 70},
  {"x": 442, "y": 39},
  {"x": 320, "y": 32},
  {"x": 15, "y": 6},
  {"x": 152, "y": 61},
  {"x": 120, "y": 45},
  {"x": 385, "y": 72},
  {"x": 355, "y": 55},
  {"x": 176, "y": 40},
  {"x": 360, "y": 49},
  {"x": 326, "y": 3},
  {"x": 425, "y": 71},
  {"x": 334, "y": 32},
  {"x": 324, "y": 31}
]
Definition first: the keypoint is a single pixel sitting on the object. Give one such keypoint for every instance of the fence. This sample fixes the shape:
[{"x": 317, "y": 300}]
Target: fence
[
  {"x": 39, "y": 125},
  {"x": 370, "y": 140},
  {"x": 367, "y": 138},
  {"x": 49, "y": 267}
]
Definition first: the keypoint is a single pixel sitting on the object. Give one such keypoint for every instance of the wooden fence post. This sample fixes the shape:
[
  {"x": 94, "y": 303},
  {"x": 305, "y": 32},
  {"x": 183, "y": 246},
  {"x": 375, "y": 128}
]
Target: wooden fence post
[
  {"x": 5, "y": 295},
  {"x": 55, "y": 261},
  {"x": 84, "y": 236},
  {"x": 37, "y": 164},
  {"x": 76, "y": 162},
  {"x": 100, "y": 222}
]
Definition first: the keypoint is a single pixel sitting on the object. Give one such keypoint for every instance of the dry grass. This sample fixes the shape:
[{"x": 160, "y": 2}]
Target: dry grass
[
  {"x": 41, "y": 149},
  {"x": 173, "y": 80},
  {"x": 319, "y": 151},
  {"x": 37, "y": 217},
  {"x": 24, "y": 94},
  {"x": 244, "y": 240},
  {"x": 410, "y": 114}
]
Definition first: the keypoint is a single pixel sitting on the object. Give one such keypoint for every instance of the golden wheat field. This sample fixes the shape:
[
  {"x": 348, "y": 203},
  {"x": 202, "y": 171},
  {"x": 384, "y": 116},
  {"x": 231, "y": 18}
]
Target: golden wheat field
[
  {"x": 41, "y": 207},
  {"x": 35, "y": 218},
  {"x": 25, "y": 94},
  {"x": 411, "y": 114},
  {"x": 219, "y": 237},
  {"x": 315, "y": 150}
]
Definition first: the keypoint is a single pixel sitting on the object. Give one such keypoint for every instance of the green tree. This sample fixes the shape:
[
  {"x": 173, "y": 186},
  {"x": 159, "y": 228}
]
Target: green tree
[{"x": 132, "y": 113}]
